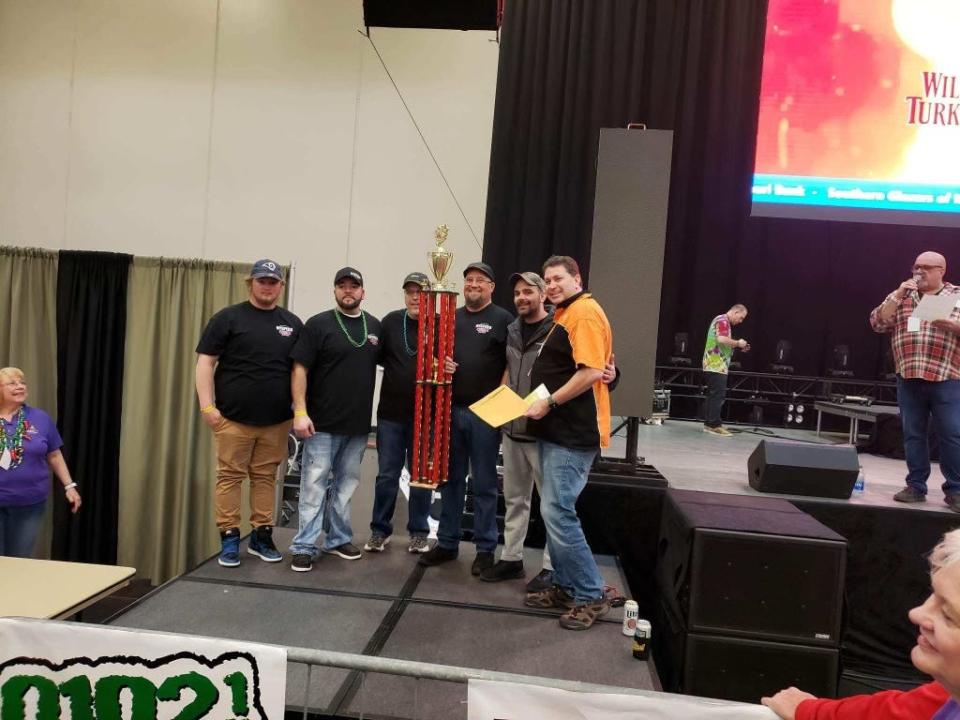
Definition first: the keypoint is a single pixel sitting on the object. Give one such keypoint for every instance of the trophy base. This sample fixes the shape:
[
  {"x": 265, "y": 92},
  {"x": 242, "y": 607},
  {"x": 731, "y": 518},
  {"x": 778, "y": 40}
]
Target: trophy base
[{"x": 424, "y": 485}]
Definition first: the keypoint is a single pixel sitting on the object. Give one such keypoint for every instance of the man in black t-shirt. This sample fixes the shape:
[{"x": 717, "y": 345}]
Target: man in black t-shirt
[
  {"x": 243, "y": 385},
  {"x": 398, "y": 356},
  {"x": 334, "y": 370},
  {"x": 479, "y": 358}
]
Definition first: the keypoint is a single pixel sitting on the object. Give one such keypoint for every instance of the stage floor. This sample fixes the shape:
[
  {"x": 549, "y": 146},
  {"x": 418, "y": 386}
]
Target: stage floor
[
  {"x": 387, "y": 605},
  {"x": 691, "y": 459}
]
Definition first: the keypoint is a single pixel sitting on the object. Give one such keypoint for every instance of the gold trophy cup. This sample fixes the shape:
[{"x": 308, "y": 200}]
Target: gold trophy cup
[{"x": 440, "y": 260}]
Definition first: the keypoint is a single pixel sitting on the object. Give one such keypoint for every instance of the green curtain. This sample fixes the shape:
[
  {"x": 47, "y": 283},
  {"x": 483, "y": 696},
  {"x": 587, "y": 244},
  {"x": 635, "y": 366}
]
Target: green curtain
[
  {"x": 167, "y": 464},
  {"x": 28, "y": 334}
]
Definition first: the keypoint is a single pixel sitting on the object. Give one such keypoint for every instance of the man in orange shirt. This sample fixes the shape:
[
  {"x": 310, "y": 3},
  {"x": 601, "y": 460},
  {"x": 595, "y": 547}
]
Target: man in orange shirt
[{"x": 571, "y": 426}]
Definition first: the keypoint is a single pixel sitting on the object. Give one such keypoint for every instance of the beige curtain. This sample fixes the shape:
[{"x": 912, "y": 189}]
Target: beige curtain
[
  {"x": 28, "y": 335},
  {"x": 166, "y": 452},
  {"x": 28, "y": 320}
]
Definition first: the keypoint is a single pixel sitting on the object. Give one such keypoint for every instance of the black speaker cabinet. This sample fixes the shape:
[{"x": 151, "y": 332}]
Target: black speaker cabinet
[
  {"x": 753, "y": 567},
  {"x": 747, "y": 670},
  {"x": 803, "y": 469},
  {"x": 741, "y": 669}
]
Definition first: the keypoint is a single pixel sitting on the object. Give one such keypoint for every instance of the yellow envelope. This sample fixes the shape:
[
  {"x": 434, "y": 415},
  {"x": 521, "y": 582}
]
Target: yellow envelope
[{"x": 500, "y": 406}]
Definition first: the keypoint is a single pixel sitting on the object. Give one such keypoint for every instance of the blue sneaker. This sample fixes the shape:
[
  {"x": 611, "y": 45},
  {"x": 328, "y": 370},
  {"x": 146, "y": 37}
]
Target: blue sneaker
[
  {"x": 230, "y": 548},
  {"x": 261, "y": 544}
]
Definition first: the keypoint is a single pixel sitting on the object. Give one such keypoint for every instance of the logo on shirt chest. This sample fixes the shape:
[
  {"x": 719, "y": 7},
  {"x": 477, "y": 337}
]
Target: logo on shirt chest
[
  {"x": 483, "y": 328},
  {"x": 373, "y": 339},
  {"x": 285, "y": 330}
]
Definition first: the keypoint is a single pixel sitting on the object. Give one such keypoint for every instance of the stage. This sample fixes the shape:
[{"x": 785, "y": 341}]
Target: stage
[
  {"x": 387, "y": 605},
  {"x": 690, "y": 459},
  {"x": 887, "y": 541}
]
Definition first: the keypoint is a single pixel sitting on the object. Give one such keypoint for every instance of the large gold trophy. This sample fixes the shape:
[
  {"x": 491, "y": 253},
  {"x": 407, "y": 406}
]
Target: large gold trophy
[{"x": 434, "y": 392}]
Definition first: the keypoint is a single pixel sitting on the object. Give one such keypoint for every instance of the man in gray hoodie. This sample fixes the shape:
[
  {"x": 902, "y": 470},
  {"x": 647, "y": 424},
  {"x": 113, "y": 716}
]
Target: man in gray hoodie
[{"x": 521, "y": 461}]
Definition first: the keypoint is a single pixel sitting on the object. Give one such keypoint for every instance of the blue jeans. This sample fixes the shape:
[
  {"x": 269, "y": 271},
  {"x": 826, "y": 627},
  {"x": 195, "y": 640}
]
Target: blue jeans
[
  {"x": 329, "y": 474},
  {"x": 918, "y": 400},
  {"x": 19, "y": 526},
  {"x": 474, "y": 446},
  {"x": 394, "y": 447},
  {"x": 565, "y": 472}
]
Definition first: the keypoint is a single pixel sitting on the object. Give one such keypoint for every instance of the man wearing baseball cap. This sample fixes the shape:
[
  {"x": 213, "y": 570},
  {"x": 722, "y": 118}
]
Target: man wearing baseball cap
[
  {"x": 398, "y": 356},
  {"x": 521, "y": 457},
  {"x": 243, "y": 385},
  {"x": 334, "y": 369},
  {"x": 479, "y": 360}
]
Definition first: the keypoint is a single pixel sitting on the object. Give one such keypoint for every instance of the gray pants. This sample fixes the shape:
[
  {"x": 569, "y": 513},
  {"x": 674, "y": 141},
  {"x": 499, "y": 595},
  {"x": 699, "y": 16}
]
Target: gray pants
[{"x": 521, "y": 469}]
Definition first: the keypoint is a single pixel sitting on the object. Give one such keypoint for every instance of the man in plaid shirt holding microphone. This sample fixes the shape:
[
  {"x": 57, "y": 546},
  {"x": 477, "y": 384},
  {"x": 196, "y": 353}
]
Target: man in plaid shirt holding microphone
[{"x": 927, "y": 357}]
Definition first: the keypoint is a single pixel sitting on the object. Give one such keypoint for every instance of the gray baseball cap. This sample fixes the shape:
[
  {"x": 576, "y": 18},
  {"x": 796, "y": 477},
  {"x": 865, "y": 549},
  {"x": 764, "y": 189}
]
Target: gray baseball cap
[
  {"x": 416, "y": 277},
  {"x": 530, "y": 278}
]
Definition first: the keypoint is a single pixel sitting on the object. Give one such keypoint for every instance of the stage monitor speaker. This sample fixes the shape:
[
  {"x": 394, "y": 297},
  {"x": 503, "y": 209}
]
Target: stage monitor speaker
[
  {"x": 443, "y": 14},
  {"x": 752, "y": 567},
  {"x": 803, "y": 469},
  {"x": 747, "y": 670}
]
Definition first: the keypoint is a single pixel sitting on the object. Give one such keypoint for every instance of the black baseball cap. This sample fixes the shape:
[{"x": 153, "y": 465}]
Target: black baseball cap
[
  {"x": 482, "y": 267},
  {"x": 348, "y": 272},
  {"x": 416, "y": 277},
  {"x": 266, "y": 269}
]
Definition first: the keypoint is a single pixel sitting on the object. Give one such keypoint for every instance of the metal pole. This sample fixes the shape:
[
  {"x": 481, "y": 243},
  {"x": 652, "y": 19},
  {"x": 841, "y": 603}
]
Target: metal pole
[{"x": 633, "y": 439}]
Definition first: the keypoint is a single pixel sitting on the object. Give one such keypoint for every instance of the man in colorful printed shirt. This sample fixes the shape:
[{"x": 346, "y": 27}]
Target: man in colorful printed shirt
[
  {"x": 927, "y": 358},
  {"x": 716, "y": 364},
  {"x": 571, "y": 426}
]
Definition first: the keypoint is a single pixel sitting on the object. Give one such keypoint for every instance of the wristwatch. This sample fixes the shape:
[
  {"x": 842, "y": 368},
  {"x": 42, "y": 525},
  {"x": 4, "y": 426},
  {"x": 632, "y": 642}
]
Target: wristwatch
[{"x": 551, "y": 402}]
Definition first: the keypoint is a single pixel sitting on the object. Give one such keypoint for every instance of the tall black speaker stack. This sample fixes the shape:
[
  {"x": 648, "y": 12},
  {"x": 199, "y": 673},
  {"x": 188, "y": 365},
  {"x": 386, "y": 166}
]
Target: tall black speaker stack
[{"x": 750, "y": 597}]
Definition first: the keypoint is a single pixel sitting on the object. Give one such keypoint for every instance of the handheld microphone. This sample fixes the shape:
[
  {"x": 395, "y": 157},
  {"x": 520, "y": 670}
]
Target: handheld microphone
[{"x": 917, "y": 277}]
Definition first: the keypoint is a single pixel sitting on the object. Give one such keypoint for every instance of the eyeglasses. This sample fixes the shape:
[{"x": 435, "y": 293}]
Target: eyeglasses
[
  {"x": 476, "y": 280},
  {"x": 926, "y": 268}
]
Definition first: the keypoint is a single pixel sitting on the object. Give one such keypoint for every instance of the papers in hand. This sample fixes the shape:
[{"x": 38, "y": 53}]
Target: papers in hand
[
  {"x": 503, "y": 405},
  {"x": 935, "y": 307}
]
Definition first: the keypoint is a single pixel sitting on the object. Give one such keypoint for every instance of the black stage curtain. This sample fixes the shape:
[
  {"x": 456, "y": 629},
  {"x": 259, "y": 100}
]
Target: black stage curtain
[
  {"x": 91, "y": 329},
  {"x": 570, "y": 67}
]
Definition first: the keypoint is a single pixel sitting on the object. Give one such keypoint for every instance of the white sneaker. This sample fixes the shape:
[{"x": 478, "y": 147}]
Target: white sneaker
[
  {"x": 377, "y": 543},
  {"x": 418, "y": 545},
  {"x": 718, "y": 431}
]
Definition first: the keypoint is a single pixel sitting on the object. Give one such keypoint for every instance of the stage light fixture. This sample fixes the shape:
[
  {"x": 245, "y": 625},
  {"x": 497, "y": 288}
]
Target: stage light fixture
[
  {"x": 781, "y": 358},
  {"x": 681, "y": 349},
  {"x": 789, "y": 418},
  {"x": 842, "y": 362}
]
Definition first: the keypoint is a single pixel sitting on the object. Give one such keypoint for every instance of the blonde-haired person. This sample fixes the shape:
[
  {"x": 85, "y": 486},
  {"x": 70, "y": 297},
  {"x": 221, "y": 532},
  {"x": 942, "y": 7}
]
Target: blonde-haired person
[
  {"x": 29, "y": 450},
  {"x": 937, "y": 653}
]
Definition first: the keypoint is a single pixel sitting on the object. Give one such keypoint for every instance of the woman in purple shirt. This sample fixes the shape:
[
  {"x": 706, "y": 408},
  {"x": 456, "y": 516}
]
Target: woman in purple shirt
[{"x": 29, "y": 450}]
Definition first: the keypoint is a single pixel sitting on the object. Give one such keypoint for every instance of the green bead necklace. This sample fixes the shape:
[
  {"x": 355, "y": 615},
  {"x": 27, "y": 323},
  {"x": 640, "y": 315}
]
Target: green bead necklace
[{"x": 343, "y": 327}]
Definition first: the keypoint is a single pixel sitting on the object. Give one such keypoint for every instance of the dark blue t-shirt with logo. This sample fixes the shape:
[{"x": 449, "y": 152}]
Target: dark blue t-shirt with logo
[
  {"x": 480, "y": 350},
  {"x": 252, "y": 379}
]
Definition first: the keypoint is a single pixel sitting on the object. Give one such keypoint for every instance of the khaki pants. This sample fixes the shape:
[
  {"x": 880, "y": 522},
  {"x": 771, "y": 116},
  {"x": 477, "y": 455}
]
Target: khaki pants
[
  {"x": 521, "y": 471},
  {"x": 248, "y": 451}
]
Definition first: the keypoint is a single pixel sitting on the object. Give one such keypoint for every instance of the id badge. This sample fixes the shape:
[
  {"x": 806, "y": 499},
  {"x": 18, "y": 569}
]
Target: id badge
[{"x": 913, "y": 324}]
